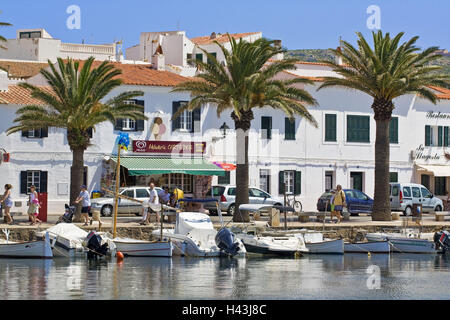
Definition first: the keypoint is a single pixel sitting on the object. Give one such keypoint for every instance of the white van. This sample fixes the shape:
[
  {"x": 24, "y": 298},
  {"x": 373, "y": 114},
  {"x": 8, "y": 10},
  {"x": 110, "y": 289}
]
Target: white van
[{"x": 404, "y": 195}]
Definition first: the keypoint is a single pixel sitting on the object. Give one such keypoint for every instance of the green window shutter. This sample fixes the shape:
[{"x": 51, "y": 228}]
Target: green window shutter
[
  {"x": 281, "y": 182},
  {"x": 176, "y": 123},
  {"x": 199, "y": 57},
  {"x": 393, "y": 130},
  {"x": 224, "y": 179},
  {"x": 330, "y": 127},
  {"x": 440, "y": 138},
  {"x": 298, "y": 182},
  {"x": 214, "y": 55},
  {"x": 196, "y": 117},
  {"x": 393, "y": 176},
  {"x": 289, "y": 129},
  {"x": 446, "y": 137},
  {"x": 266, "y": 126},
  {"x": 439, "y": 186},
  {"x": 358, "y": 128},
  {"x": 427, "y": 136}
]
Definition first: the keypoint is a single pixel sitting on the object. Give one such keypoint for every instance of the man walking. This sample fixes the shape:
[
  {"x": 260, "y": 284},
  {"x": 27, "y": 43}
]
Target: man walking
[{"x": 154, "y": 199}]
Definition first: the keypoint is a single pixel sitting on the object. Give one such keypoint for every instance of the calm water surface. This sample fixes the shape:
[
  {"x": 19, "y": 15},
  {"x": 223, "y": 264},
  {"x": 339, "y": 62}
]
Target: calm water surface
[{"x": 402, "y": 276}]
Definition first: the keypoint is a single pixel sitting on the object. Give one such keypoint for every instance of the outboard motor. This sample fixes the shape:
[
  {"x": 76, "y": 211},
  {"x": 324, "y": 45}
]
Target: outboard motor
[
  {"x": 225, "y": 241},
  {"x": 95, "y": 246},
  {"x": 442, "y": 241}
]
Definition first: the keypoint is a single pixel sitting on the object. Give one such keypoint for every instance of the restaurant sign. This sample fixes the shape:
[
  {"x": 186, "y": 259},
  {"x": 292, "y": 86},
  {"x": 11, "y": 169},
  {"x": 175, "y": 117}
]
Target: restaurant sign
[
  {"x": 166, "y": 147},
  {"x": 438, "y": 115}
]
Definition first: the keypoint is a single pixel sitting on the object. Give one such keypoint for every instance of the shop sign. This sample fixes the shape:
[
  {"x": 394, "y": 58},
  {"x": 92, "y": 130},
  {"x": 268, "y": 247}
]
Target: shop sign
[
  {"x": 438, "y": 115},
  {"x": 419, "y": 154},
  {"x": 177, "y": 147}
]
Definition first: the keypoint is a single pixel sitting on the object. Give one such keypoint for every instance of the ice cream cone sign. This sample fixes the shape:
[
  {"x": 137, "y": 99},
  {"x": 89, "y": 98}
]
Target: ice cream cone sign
[{"x": 158, "y": 128}]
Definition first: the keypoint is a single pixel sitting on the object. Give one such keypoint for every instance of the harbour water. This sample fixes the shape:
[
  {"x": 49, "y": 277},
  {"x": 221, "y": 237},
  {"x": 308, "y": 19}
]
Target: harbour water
[{"x": 351, "y": 276}]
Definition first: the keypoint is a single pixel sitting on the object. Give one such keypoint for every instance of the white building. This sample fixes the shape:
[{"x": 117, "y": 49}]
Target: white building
[{"x": 309, "y": 160}]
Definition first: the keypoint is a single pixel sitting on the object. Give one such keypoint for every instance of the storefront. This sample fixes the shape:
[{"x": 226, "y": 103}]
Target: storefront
[{"x": 166, "y": 163}]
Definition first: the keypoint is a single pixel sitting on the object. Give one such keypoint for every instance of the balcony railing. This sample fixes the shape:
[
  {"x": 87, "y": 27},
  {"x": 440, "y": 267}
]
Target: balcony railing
[{"x": 89, "y": 48}]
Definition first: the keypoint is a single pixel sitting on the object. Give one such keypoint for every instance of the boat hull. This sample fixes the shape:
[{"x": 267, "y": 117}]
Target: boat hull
[
  {"x": 368, "y": 247},
  {"x": 408, "y": 245},
  {"x": 145, "y": 248},
  {"x": 39, "y": 249},
  {"x": 326, "y": 247}
]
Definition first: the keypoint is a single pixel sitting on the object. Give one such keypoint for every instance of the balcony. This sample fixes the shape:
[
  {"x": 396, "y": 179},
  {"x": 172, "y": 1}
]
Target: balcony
[{"x": 108, "y": 49}]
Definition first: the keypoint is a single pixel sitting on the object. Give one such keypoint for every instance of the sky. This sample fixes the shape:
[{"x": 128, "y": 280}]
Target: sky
[{"x": 300, "y": 24}]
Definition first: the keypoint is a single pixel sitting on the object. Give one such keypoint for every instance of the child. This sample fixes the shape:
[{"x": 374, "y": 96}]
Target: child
[
  {"x": 33, "y": 206},
  {"x": 7, "y": 203}
]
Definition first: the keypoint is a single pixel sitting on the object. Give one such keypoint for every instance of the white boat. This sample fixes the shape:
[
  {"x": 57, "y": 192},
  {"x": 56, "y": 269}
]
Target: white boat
[
  {"x": 368, "y": 247},
  {"x": 316, "y": 243},
  {"x": 404, "y": 233},
  {"x": 194, "y": 236},
  {"x": 141, "y": 248},
  {"x": 39, "y": 249},
  {"x": 66, "y": 240},
  {"x": 402, "y": 244},
  {"x": 274, "y": 245}
]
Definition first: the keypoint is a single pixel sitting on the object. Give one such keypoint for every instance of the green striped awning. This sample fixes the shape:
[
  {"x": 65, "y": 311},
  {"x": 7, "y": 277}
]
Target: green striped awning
[{"x": 138, "y": 166}]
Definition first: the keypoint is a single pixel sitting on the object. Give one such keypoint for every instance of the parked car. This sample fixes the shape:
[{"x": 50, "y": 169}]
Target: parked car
[
  {"x": 357, "y": 202},
  {"x": 227, "y": 194},
  {"x": 106, "y": 204},
  {"x": 404, "y": 195}
]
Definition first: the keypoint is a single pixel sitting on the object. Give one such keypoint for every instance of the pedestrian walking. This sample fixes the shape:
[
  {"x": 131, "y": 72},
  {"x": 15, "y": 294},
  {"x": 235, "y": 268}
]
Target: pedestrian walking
[
  {"x": 7, "y": 204},
  {"x": 85, "y": 204},
  {"x": 164, "y": 195},
  {"x": 33, "y": 206},
  {"x": 338, "y": 203},
  {"x": 154, "y": 199}
]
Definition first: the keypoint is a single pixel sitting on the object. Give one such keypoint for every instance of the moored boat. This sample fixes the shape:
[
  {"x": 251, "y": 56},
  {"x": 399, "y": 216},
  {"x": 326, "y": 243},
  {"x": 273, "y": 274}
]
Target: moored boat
[
  {"x": 368, "y": 247},
  {"x": 316, "y": 243},
  {"x": 142, "y": 248},
  {"x": 39, "y": 249}
]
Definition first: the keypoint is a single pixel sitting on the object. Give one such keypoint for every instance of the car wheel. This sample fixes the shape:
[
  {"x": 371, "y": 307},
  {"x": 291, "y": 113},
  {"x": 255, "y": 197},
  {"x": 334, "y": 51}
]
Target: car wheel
[
  {"x": 438, "y": 208},
  {"x": 212, "y": 212},
  {"x": 408, "y": 211},
  {"x": 231, "y": 209},
  {"x": 107, "y": 211}
]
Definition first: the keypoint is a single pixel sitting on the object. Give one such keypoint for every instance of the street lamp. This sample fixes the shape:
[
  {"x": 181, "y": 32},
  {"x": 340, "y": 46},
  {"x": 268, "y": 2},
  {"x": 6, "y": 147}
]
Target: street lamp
[{"x": 224, "y": 129}]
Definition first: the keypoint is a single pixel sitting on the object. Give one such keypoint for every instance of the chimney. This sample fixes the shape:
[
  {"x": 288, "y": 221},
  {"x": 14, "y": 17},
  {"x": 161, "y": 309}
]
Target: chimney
[
  {"x": 213, "y": 36},
  {"x": 278, "y": 56},
  {"x": 158, "y": 59},
  {"x": 338, "y": 59}
]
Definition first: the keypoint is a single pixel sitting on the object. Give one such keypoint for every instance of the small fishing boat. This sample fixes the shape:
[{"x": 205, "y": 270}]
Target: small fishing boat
[
  {"x": 402, "y": 244},
  {"x": 194, "y": 236},
  {"x": 66, "y": 240},
  {"x": 39, "y": 249},
  {"x": 142, "y": 248},
  {"x": 367, "y": 247},
  {"x": 316, "y": 243},
  {"x": 272, "y": 245}
]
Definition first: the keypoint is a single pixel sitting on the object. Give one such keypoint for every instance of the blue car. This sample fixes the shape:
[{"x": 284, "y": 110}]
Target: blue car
[{"x": 357, "y": 202}]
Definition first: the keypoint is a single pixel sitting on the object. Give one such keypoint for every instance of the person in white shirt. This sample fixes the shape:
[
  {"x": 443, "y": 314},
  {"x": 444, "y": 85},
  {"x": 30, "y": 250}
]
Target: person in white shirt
[
  {"x": 85, "y": 204},
  {"x": 154, "y": 199}
]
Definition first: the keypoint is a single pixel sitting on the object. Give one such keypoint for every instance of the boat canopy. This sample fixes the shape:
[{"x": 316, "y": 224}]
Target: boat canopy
[{"x": 138, "y": 166}]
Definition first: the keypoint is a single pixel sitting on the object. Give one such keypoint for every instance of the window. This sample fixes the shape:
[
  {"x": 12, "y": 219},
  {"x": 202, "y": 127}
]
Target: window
[
  {"x": 437, "y": 136},
  {"x": 33, "y": 177},
  {"x": 266, "y": 127},
  {"x": 264, "y": 179},
  {"x": 130, "y": 124},
  {"x": 361, "y": 196},
  {"x": 416, "y": 192},
  {"x": 328, "y": 180},
  {"x": 356, "y": 180},
  {"x": 393, "y": 130},
  {"x": 395, "y": 191},
  {"x": 439, "y": 186},
  {"x": 214, "y": 55},
  {"x": 393, "y": 176},
  {"x": 188, "y": 120},
  {"x": 199, "y": 57},
  {"x": 142, "y": 193},
  {"x": 231, "y": 192},
  {"x": 358, "y": 128},
  {"x": 189, "y": 60},
  {"x": 224, "y": 179},
  {"x": 407, "y": 192},
  {"x": 179, "y": 180},
  {"x": 289, "y": 129},
  {"x": 258, "y": 193},
  {"x": 216, "y": 191},
  {"x": 128, "y": 193},
  {"x": 289, "y": 182},
  {"x": 29, "y": 34},
  {"x": 425, "y": 193},
  {"x": 39, "y": 133},
  {"x": 330, "y": 127}
]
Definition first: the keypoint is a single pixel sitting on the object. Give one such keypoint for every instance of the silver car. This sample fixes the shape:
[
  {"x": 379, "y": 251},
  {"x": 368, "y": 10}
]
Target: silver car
[
  {"x": 106, "y": 204},
  {"x": 227, "y": 194}
]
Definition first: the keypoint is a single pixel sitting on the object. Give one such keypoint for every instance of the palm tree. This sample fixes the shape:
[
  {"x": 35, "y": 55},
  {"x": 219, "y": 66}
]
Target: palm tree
[
  {"x": 386, "y": 72},
  {"x": 246, "y": 81},
  {"x": 73, "y": 102}
]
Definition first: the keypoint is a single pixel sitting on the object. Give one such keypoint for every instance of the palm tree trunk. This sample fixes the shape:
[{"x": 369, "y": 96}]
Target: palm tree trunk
[
  {"x": 242, "y": 126},
  {"x": 76, "y": 178},
  {"x": 381, "y": 204}
]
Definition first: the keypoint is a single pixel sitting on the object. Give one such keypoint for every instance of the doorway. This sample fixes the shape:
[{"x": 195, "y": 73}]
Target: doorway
[{"x": 356, "y": 180}]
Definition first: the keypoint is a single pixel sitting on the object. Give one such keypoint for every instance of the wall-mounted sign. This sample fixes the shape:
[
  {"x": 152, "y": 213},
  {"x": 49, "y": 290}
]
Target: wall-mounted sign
[
  {"x": 176, "y": 147},
  {"x": 418, "y": 154},
  {"x": 438, "y": 115}
]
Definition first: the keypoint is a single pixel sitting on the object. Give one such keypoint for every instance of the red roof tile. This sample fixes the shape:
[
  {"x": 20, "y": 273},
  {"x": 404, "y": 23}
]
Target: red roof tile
[
  {"x": 221, "y": 38},
  {"x": 19, "y": 95},
  {"x": 22, "y": 69}
]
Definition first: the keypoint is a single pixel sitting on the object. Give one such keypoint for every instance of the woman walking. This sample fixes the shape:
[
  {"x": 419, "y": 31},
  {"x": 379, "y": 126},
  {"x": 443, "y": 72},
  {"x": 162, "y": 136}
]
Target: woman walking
[
  {"x": 33, "y": 206},
  {"x": 7, "y": 203}
]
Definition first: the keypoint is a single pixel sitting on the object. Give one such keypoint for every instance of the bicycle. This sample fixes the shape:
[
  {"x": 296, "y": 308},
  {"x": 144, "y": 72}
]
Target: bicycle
[{"x": 291, "y": 201}]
